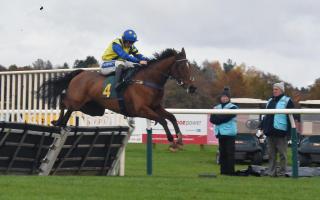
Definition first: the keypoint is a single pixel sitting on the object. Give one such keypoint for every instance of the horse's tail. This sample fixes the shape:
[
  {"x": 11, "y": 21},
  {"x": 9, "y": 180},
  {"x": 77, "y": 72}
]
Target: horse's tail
[{"x": 51, "y": 89}]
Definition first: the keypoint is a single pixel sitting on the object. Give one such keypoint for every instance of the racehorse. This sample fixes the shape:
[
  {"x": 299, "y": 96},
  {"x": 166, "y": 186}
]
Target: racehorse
[{"x": 81, "y": 90}]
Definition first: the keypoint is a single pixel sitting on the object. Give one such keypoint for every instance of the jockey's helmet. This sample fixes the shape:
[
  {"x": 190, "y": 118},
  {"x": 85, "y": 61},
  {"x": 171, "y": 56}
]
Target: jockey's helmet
[{"x": 129, "y": 35}]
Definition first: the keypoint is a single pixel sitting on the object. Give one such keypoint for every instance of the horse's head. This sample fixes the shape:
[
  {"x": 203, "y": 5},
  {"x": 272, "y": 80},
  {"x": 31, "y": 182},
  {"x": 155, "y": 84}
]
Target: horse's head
[{"x": 182, "y": 72}]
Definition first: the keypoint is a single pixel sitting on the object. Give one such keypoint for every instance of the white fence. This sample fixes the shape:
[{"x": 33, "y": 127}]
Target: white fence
[
  {"x": 19, "y": 101},
  {"x": 244, "y": 111}
]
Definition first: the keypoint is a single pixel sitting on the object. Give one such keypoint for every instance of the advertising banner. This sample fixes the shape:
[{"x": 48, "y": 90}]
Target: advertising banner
[{"x": 194, "y": 127}]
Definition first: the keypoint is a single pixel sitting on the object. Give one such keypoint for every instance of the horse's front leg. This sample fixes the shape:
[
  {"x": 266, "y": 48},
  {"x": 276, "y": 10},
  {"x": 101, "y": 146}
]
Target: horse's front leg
[
  {"x": 167, "y": 115},
  {"x": 148, "y": 113}
]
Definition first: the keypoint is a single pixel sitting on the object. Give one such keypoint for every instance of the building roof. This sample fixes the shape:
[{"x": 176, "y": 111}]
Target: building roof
[
  {"x": 248, "y": 101},
  {"x": 310, "y": 102}
]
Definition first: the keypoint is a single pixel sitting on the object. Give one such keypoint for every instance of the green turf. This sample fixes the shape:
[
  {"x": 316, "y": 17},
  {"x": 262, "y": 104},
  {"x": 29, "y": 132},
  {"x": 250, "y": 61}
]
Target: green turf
[{"x": 175, "y": 176}]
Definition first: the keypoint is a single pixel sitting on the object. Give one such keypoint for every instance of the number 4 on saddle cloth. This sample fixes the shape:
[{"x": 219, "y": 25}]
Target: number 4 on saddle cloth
[
  {"x": 109, "y": 83},
  {"x": 108, "y": 90}
]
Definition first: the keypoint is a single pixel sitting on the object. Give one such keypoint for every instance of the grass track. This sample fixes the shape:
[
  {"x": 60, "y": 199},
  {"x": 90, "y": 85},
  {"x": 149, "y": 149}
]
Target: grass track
[{"x": 175, "y": 176}]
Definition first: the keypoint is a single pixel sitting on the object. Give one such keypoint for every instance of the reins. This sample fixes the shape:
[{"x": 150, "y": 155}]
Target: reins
[{"x": 165, "y": 75}]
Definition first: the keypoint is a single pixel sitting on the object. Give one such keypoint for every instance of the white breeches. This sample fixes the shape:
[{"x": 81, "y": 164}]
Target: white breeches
[{"x": 110, "y": 66}]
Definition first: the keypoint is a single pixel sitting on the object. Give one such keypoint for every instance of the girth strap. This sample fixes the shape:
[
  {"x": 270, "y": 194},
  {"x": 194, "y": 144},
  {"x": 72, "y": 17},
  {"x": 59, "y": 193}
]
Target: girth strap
[{"x": 148, "y": 84}]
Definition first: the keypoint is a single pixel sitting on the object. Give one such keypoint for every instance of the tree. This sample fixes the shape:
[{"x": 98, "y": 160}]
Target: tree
[
  {"x": 2, "y": 68},
  {"x": 40, "y": 64},
  {"x": 13, "y": 68},
  {"x": 65, "y": 66},
  {"x": 177, "y": 97},
  {"x": 211, "y": 69},
  {"x": 48, "y": 65},
  {"x": 79, "y": 64},
  {"x": 315, "y": 90},
  {"x": 90, "y": 61},
  {"x": 26, "y": 68},
  {"x": 228, "y": 66}
]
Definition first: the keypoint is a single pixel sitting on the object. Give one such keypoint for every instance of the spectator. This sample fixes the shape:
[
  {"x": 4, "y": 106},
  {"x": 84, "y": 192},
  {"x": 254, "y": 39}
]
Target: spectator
[
  {"x": 277, "y": 128},
  {"x": 226, "y": 131}
]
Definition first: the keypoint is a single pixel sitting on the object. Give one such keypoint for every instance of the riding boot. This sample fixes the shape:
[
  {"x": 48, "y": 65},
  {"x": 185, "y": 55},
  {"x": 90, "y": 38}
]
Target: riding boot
[{"x": 118, "y": 77}]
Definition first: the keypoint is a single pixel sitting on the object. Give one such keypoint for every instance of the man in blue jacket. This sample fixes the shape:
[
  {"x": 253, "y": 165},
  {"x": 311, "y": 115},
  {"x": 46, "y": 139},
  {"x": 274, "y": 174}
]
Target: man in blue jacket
[
  {"x": 121, "y": 54},
  {"x": 277, "y": 128},
  {"x": 226, "y": 131}
]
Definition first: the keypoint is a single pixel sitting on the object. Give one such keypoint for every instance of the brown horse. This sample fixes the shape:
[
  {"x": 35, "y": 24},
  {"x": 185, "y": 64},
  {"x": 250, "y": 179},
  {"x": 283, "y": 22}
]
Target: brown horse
[{"x": 142, "y": 97}]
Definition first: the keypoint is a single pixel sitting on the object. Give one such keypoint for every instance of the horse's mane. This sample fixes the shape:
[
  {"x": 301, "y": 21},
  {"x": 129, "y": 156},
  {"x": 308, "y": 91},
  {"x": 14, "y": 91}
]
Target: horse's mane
[
  {"x": 159, "y": 56},
  {"x": 162, "y": 55}
]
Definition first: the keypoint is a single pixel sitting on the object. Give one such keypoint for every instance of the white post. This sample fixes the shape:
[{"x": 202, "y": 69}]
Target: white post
[
  {"x": 13, "y": 97},
  {"x": 35, "y": 101},
  {"x": 8, "y": 98},
  {"x": 29, "y": 107},
  {"x": 24, "y": 97},
  {"x": 122, "y": 162},
  {"x": 46, "y": 122},
  {"x": 2, "y": 97},
  {"x": 41, "y": 121},
  {"x": 19, "y": 96}
]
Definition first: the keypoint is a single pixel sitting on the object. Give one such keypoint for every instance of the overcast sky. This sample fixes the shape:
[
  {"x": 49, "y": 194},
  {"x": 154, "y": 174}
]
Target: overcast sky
[{"x": 277, "y": 36}]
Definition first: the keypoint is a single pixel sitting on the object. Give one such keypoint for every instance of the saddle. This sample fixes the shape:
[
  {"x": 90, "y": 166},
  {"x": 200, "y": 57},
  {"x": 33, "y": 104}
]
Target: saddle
[{"x": 94, "y": 109}]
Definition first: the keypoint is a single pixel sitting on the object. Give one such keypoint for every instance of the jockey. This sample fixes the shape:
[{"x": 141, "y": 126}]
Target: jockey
[{"x": 121, "y": 54}]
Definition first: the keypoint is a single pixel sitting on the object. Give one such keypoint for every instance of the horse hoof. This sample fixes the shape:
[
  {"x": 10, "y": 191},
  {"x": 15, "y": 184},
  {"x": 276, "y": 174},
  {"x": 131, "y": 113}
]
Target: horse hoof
[
  {"x": 173, "y": 149},
  {"x": 179, "y": 143},
  {"x": 180, "y": 146}
]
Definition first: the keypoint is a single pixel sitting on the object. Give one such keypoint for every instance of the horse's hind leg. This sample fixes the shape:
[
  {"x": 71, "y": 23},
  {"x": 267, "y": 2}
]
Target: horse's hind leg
[
  {"x": 65, "y": 118},
  {"x": 62, "y": 108},
  {"x": 167, "y": 115}
]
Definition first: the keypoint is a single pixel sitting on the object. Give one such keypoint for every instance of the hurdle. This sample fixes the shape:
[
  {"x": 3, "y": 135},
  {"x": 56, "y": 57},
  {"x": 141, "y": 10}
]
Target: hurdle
[
  {"x": 42, "y": 150},
  {"x": 30, "y": 145}
]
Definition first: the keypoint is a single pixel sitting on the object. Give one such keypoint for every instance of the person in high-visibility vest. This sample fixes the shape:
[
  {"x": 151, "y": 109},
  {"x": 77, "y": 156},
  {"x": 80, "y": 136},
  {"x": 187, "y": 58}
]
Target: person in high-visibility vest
[
  {"x": 225, "y": 130},
  {"x": 121, "y": 54},
  {"x": 277, "y": 129}
]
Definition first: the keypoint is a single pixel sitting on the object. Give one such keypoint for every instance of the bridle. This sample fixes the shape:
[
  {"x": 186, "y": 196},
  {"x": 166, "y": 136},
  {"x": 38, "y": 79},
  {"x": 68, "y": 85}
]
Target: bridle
[
  {"x": 178, "y": 79},
  {"x": 166, "y": 76}
]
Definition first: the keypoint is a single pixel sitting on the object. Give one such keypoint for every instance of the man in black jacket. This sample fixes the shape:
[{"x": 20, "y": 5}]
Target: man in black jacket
[{"x": 277, "y": 129}]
